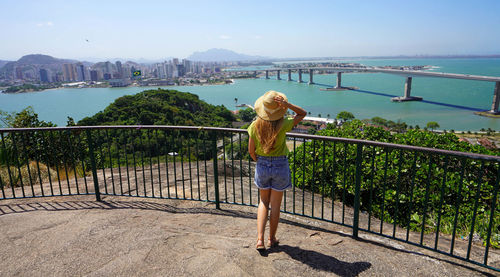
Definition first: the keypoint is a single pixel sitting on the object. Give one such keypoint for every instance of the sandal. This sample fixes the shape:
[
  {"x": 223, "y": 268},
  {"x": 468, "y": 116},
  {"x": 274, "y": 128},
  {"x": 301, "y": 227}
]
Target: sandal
[
  {"x": 260, "y": 245},
  {"x": 272, "y": 242}
]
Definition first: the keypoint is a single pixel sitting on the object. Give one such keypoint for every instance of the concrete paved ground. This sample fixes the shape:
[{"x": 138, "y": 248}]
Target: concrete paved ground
[{"x": 68, "y": 236}]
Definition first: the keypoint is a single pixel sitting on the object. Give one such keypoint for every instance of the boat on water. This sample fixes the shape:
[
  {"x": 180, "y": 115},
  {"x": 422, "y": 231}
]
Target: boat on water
[{"x": 338, "y": 88}]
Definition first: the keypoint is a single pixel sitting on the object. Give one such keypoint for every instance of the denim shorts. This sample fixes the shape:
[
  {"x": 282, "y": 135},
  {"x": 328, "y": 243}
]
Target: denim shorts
[{"x": 273, "y": 173}]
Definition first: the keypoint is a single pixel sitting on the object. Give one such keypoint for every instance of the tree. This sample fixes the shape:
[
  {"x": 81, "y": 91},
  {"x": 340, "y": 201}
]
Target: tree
[
  {"x": 235, "y": 100},
  {"x": 70, "y": 121},
  {"x": 247, "y": 114},
  {"x": 328, "y": 116},
  {"x": 26, "y": 118},
  {"x": 345, "y": 116},
  {"x": 432, "y": 125},
  {"x": 161, "y": 107},
  {"x": 379, "y": 121}
]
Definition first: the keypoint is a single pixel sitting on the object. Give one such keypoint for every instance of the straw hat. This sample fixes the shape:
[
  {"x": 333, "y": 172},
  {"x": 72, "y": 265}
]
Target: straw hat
[{"x": 268, "y": 109}]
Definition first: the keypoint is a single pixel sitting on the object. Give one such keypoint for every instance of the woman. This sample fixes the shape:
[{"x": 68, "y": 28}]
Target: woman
[{"x": 267, "y": 146}]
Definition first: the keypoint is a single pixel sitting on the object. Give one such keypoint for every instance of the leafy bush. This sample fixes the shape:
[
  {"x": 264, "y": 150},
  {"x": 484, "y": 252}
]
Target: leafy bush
[{"x": 401, "y": 186}]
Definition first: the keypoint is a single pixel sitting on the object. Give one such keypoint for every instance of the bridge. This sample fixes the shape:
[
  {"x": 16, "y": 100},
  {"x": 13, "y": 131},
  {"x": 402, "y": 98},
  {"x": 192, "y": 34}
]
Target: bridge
[{"x": 408, "y": 74}]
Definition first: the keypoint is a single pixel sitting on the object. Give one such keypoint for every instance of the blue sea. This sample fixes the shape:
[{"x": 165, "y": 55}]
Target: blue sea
[{"x": 449, "y": 102}]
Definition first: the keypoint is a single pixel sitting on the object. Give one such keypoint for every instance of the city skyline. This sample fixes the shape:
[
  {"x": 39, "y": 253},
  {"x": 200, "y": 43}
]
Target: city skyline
[{"x": 279, "y": 29}]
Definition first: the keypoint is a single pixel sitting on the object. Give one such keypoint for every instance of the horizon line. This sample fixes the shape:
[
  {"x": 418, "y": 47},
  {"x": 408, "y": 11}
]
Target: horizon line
[{"x": 423, "y": 56}]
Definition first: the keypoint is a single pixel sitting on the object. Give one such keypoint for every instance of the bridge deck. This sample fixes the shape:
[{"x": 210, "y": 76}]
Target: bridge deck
[{"x": 406, "y": 73}]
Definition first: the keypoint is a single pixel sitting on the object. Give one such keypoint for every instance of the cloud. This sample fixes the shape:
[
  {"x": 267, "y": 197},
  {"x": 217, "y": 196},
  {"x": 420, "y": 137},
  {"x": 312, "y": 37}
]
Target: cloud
[
  {"x": 45, "y": 24},
  {"x": 224, "y": 37},
  {"x": 257, "y": 37}
]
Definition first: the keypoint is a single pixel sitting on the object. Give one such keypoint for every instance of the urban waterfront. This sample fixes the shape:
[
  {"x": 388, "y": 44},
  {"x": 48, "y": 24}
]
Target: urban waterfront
[{"x": 449, "y": 102}]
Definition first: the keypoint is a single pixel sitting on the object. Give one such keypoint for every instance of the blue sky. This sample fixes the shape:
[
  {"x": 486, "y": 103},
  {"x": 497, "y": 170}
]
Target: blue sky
[{"x": 159, "y": 29}]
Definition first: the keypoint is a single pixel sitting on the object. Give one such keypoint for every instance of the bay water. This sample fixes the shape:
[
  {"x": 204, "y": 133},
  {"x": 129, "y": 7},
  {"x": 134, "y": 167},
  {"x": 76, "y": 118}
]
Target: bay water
[{"x": 449, "y": 102}]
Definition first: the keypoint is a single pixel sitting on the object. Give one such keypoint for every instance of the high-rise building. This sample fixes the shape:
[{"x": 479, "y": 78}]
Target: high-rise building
[
  {"x": 175, "y": 61},
  {"x": 69, "y": 72},
  {"x": 93, "y": 75},
  {"x": 119, "y": 69},
  {"x": 59, "y": 77},
  {"x": 187, "y": 65},
  {"x": 160, "y": 71},
  {"x": 170, "y": 68},
  {"x": 80, "y": 70},
  {"x": 44, "y": 76},
  {"x": 180, "y": 70},
  {"x": 107, "y": 76},
  {"x": 126, "y": 71},
  {"x": 108, "y": 68},
  {"x": 18, "y": 73},
  {"x": 87, "y": 73}
]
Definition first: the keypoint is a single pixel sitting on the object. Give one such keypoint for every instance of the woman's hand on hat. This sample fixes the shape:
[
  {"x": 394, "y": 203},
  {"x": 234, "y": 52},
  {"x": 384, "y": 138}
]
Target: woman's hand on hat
[{"x": 281, "y": 101}]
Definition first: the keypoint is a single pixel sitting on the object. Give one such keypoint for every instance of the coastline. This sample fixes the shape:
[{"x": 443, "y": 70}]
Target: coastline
[{"x": 152, "y": 86}]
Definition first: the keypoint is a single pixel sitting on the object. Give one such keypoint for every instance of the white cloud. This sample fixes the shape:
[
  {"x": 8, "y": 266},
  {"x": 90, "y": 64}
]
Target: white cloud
[
  {"x": 224, "y": 37},
  {"x": 257, "y": 37},
  {"x": 45, "y": 24}
]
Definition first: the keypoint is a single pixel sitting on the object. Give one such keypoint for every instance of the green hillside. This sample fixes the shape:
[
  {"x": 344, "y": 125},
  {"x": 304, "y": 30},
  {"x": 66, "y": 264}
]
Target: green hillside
[{"x": 161, "y": 107}]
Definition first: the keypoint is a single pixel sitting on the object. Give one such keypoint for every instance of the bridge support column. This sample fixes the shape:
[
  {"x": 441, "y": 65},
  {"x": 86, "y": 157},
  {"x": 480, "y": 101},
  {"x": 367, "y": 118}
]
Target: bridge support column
[
  {"x": 289, "y": 74},
  {"x": 407, "y": 96},
  {"x": 278, "y": 76},
  {"x": 300, "y": 76},
  {"x": 496, "y": 99},
  {"x": 267, "y": 74},
  {"x": 310, "y": 77},
  {"x": 339, "y": 80}
]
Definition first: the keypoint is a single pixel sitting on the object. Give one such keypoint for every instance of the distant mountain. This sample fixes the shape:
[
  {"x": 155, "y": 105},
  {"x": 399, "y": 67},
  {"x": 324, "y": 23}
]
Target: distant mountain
[
  {"x": 39, "y": 59},
  {"x": 222, "y": 55},
  {"x": 34, "y": 62},
  {"x": 138, "y": 61},
  {"x": 2, "y": 63}
]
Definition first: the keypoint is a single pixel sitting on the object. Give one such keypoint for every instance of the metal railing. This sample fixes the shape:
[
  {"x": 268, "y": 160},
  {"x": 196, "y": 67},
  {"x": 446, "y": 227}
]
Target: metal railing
[{"x": 444, "y": 201}]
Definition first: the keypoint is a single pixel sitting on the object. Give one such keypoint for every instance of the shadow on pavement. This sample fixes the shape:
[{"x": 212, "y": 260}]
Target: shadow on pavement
[
  {"x": 294, "y": 252},
  {"x": 322, "y": 262}
]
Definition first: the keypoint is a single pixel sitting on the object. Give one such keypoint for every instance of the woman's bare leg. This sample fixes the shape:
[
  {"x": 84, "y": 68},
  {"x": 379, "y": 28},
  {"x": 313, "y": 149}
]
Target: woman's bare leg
[
  {"x": 262, "y": 213},
  {"x": 275, "y": 200}
]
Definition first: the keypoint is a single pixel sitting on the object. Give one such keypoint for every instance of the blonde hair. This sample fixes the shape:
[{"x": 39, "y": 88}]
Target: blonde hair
[{"x": 267, "y": 132}]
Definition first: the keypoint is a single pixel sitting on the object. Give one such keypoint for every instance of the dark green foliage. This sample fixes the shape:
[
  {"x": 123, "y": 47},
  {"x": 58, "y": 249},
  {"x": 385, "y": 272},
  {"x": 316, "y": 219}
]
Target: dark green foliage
[
  {"x": 238, "y": 149},
  {"x": 26, "y": 118},
  {"x": 161, "y": 107},
  {"x": 394, "y": 182},
  {"x": 19, "y": 144},
  {"x": 58, "y": 149},
  {"x": 398, "y": 126},
  {"x": 345, "y": 116},
  {"x": 379, "y": 121},
  {"x": 27, "y": 87},
  {"x": 247, "y": 114},
  {"x": 432, "y": 125}
]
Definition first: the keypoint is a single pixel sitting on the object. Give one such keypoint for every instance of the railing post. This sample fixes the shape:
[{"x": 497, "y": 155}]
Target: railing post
[
  {"x": 216, "y": 173},
  {"x": 357, "y": 188},
  {"x": 94, "y": 168}
]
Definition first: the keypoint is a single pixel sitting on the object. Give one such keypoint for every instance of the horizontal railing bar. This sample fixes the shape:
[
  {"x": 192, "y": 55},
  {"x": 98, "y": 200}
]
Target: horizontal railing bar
[{"x": 304, "y": 136}]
